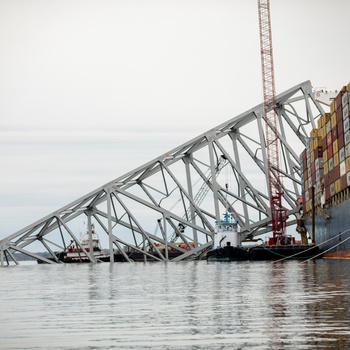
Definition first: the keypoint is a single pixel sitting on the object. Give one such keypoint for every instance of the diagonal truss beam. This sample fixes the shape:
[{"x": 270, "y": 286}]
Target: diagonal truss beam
[{"x": 152, "y": 202}]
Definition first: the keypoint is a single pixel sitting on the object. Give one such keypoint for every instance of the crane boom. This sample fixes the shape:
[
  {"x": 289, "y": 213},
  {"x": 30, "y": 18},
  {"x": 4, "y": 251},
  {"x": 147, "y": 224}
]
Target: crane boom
[{"x": 278, "y": 213}]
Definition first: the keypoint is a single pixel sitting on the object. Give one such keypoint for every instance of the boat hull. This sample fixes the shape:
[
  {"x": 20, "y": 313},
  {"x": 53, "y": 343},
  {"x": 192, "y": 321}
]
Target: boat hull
[
  {"x": 118, "y": 257},
  {"x": 262, "y": 252},
  {"x": 140, "y": 257},
  {"x": 332, "y": 230},
  {"x": 228, "y": 253},
  {"x": 289, "y": 252}
]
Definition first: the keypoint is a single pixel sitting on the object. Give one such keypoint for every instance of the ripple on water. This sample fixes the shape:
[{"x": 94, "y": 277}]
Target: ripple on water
[{"x": 189, "y": 305}]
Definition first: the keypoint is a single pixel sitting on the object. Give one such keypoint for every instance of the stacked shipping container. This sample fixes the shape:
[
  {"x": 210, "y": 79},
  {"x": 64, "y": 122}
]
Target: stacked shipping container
[{"x": 326, "y": 160}]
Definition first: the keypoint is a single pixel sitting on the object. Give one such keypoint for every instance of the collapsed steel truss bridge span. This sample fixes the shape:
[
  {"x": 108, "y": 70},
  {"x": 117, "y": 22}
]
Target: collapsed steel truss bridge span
[{"x": 170, "y": 204}]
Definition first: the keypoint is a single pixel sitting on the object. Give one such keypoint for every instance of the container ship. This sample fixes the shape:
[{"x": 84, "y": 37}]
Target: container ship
[{"x": 326, "y": 179}]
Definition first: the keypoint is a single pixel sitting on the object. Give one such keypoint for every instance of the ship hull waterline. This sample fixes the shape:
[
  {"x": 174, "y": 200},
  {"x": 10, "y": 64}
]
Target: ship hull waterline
[
  {"x": 332, "y": 230},
  {"x": 262, "y": 252}
]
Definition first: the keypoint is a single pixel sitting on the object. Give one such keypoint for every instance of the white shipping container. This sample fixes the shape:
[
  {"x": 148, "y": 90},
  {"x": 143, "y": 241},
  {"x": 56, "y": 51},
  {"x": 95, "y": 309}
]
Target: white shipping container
[
  {"x": 318, "y": 187},
  {"x": 342, "y": 154},
  {"x": 330, "y": 164},
  {"x": 347, "y": 150},
  {"x": 319, "y": 163},
  {"x": 342, "y": 168},
  {"x": 346, "y": 111},
  {"x": 319, "y": 174},
  {"x": 345, "y": 99},
  {"x": 347, "y": 137},
  {"x": 346, "y": 124}
]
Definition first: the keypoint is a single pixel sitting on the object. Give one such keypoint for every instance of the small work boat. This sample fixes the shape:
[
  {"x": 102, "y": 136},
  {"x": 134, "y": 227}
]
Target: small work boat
[{"x": 77, "y": 252}]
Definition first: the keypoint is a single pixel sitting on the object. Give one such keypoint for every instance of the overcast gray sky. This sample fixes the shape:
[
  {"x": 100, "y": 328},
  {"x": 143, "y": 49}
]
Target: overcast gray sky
[{"x": 92, "y": 89}]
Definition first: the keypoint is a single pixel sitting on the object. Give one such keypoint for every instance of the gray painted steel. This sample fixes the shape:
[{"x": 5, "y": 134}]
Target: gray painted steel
[{"x": 142, "y": 210}]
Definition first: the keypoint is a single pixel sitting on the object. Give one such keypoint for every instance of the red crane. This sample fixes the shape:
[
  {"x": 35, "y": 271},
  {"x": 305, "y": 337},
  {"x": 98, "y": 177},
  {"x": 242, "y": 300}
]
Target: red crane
[{"x": 278, "y": 213}]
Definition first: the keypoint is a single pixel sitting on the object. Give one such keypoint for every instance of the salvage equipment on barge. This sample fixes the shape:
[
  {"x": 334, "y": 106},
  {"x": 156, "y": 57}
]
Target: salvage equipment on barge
[{"x": 227, "y": 246}]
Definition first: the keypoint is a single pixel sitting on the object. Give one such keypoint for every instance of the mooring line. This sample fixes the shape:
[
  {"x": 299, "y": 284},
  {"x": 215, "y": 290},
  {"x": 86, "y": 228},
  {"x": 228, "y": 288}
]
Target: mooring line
[
  {"x": 317, "y": 245},
  {"x": 336, "y": 245}
]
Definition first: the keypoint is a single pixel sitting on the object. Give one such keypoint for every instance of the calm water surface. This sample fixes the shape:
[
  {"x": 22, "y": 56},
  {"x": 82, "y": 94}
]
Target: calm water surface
[{"x": 188, "y": 305}]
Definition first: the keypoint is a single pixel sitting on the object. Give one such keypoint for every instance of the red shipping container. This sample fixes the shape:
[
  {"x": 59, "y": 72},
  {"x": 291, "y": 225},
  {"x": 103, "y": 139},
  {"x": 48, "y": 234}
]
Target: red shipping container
[
  {"x": 331, "y": 176},
  {"x": 313, "y": 177},
  {"x": 343, "y": 182},
  {"x": 330, "y": 151},
  {"x": 341, "y": 142},
  {"x": 324, "y": 143},
  {"x": 339, "y": 114},
  {"x": 334, "y": 133},
  {"x": 326, "y": 180},
  {"x": 310, "y": 194},
  {"x": 305, "y": 175},
  {"x": 340, "y": 126},
  {"x": 313, "y": 168},
  {"x": 336, "y": 173},
  {"x": 303, "y": 155},
  {"x": 328, "y": 192},
  {"x": 329, "y": 139},
  {"x": 339, "y": 97}
]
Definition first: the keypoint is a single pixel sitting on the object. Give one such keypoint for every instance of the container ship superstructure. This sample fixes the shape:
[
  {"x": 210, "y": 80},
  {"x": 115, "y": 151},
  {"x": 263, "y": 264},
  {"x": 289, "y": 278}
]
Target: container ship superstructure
[{"x": 326, "y": 179}]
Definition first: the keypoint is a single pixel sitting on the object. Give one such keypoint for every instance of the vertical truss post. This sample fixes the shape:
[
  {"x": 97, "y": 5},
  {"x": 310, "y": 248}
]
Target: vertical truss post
[
  {"x": 241, "y": 184},
  {"x": 109, "y": 214},
  {"x": 1, "y": 255},
  {"x": 190, "y": 193},
  {"x": 213, "y": 177},
  {"x": 165, "y": 237},
  {"x": 91, "y": 248}
]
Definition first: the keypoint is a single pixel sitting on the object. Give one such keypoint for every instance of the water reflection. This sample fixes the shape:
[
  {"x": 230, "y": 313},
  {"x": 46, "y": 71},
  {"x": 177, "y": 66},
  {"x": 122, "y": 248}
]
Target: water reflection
[{"x": 189, "y": 305}]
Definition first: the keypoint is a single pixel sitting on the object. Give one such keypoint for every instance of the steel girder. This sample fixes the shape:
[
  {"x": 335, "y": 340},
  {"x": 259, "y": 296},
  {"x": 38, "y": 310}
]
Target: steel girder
[{"x": 143, "y": 210}]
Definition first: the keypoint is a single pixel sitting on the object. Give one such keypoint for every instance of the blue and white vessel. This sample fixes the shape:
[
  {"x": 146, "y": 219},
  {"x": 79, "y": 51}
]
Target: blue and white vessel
[{"x": 226, "y": 243}]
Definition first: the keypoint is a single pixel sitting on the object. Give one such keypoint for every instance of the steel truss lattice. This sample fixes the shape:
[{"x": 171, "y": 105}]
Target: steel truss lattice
[{"x": 183, "y": 192}]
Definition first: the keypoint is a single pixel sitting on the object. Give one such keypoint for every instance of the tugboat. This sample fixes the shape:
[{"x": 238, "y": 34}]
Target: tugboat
[
  {"x": 74, "y": 253},
  {"x": 226, "y": 244}
]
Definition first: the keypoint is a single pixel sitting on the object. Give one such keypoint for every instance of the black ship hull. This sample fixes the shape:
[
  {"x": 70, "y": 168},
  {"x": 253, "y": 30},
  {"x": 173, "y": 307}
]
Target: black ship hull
[
  {"x": 228, "y": 253},
  {"x": 263, "y": 252}
]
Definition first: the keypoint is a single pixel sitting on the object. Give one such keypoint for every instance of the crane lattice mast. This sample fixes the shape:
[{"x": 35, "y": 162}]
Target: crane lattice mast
[{"x": 278, "y": 213}]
